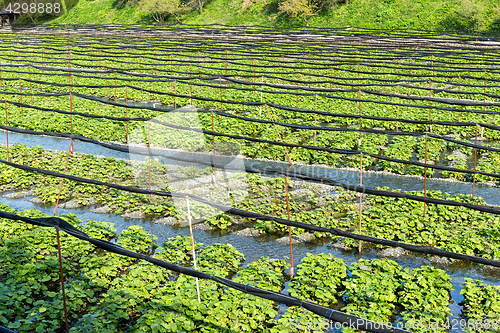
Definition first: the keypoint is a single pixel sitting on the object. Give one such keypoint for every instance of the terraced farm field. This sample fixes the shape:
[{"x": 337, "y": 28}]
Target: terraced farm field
[{"x": 214, "y": 179}]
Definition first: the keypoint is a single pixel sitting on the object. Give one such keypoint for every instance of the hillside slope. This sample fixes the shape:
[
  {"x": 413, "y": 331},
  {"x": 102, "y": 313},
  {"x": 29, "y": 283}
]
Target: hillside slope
[{"x": 482, "y": 15}]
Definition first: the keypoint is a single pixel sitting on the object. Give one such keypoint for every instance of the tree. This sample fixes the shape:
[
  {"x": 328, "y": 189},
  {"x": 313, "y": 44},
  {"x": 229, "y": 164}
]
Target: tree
[
  {"x": 161, "y": 9},
  {"x": 298, "y": 8},
  {"x": 197, "y": 4}
]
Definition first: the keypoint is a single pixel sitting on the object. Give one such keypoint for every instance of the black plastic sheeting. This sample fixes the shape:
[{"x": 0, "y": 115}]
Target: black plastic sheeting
[{"x": 334, "y": 315}]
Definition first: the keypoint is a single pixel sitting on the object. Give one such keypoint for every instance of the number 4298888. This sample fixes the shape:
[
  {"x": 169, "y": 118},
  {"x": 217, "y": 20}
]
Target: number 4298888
[{"x": 40, "y": 8}]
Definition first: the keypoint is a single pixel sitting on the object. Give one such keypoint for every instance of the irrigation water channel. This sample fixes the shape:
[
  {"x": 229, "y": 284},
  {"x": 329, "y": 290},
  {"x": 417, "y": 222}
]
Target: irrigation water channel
[{"x": 254, "y": 248}]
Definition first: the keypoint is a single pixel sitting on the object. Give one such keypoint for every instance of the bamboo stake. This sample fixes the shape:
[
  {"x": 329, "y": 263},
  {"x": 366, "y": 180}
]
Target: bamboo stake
[
  {"x": 360, "y": 199},
  {"x": 425, "y": 176},
  {"x": 149, "y": 161},
  {"x": 315, "y": 109},
  {"x": 286, "y": 192},
  {"x": 152, "y": 74},
  {"x": 62, "y": 279},
  {"x": 7, "y": 132},
  {"x": 430, "y": 110},
  {"x": 31, "y": 90},
  {"x": 397, "y": 112},
  {"x": 213, "y": 143},
  {"x": 193, "y": 248},
  {"x": 261, "y": 87},
  {"x": 475, "y": 160},
  {"x": 20, "y": 91},
  {"x": 126, "y": 111},
  {"x": 289, "y": 228}
]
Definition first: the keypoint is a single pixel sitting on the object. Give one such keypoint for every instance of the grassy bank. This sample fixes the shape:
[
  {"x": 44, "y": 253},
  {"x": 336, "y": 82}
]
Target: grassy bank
[{"x": 482, "y": 15}]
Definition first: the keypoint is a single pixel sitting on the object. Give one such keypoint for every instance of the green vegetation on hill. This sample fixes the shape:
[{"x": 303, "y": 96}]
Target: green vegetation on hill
[{"x": 481, "y": 15}]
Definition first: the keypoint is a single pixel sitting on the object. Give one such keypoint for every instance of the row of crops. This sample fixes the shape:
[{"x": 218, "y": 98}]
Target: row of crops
[{"x": 427, "y": 110}]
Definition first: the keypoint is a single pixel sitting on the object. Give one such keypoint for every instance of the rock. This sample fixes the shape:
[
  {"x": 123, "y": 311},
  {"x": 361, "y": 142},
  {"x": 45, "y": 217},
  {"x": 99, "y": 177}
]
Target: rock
[
  {"x": 392, "y": 252},
  {"x": 364, "y": 206},
  {"x": 303, "y": 192},
  {"x": 322, "y": 201},
  {"x": 192, "y": 183},
  {"x": 297, "y": 239},
  {"x": 202, "y": 226},
  {"x": 446, "y": 87},
  {"x": 459, "y": 154},
  {"x": 487, "y": 269},
  {"x": 91, "y": 201},
  {"x": 36, "y": 200},
  {"x": 134, "y": 215},
  {"x": 428, "y": 161},
  {"x": 101, "y": 210},
  {"x": 19, "y": 195},
  {"x": 248, "y": 232},
  {"x": 221, "y": 81},
  {"x": 307, "y": 237},
  {"x": 70, "y": 205},
  {"x": 338, "y": 246},
  {"x": 439, "y": 260},
  {"x": 237, "y": 220},
  {"x": 323, "y": 188},
  {"x": 170, "y": 220}
]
